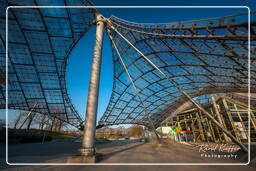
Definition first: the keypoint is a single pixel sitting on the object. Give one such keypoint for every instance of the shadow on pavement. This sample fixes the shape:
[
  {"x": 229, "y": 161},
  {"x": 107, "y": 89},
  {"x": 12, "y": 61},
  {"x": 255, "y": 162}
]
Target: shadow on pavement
[{"x": 108, "y": 155}]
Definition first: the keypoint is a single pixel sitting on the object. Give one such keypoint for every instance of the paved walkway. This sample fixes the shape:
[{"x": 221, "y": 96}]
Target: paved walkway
[
  {"x": 128, "y": 152},
  {"x": 150, "y": 153}
]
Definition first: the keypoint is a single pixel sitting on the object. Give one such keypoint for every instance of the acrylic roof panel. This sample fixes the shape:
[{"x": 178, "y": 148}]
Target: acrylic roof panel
[
  {"x": 39, "y": 42},
  {"x": 204, "y": 56}
]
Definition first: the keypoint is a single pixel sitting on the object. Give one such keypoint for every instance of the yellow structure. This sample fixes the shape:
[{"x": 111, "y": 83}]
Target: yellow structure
[{"x": 233, "y": 115}]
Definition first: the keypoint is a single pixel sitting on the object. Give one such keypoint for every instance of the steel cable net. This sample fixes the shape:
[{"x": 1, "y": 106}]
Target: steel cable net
[
  {"x": 202, "y": 57},
  {"x": 39, "y": 43}
]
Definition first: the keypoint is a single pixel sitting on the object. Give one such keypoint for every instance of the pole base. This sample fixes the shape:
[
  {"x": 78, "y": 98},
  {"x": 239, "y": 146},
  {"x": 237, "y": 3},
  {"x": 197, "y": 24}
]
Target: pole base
[
  {"x": 86, "y": 155},
  {"x": 85, "y": 159},
  {"x": 87, "y": 151}
]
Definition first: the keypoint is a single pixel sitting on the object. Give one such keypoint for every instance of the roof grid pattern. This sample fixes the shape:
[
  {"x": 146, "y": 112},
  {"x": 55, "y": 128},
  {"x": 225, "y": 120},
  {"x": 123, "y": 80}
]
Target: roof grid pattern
[
  {"x": 202, "y": 57},
  {"x": 39, "y": 43}
]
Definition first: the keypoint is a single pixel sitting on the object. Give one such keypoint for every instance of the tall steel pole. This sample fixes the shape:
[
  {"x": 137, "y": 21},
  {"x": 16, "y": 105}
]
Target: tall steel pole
[{"x": 92, "y": 103}]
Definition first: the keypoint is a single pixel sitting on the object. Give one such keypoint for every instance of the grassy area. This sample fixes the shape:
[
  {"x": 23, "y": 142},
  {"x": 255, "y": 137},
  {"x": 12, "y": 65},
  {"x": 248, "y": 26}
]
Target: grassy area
[
  {"x": 114, "y": 137},
  {"x": 53, "y": 135},
  {"x": 58, "y": 135},
  {"x": 108, "y": 136},
  {"x": 17, "y": 136}
]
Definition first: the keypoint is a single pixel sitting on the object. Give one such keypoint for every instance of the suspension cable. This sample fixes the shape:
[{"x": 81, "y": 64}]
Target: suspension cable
[
  {"x": 134, "y": 86},
  {"x": 182, "y": 91}
]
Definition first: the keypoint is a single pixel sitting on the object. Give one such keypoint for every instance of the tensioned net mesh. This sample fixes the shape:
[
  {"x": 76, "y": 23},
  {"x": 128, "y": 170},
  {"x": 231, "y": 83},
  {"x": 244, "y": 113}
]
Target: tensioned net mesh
[
  {"x": 39, "y": 42},
  {"x": 202, "y": 57}
]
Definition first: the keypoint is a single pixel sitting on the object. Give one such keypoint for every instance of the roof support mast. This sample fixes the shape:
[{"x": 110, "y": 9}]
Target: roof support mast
[{"x": 88, "y": 148}]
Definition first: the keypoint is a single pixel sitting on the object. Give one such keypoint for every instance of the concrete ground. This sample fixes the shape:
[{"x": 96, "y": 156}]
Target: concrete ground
[
  {"x": 132, "y": 168},
  {"x": 116, "y": 152}
]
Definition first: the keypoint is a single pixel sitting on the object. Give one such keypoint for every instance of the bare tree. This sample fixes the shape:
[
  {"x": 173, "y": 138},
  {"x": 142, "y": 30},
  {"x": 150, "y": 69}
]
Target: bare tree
[
  {"x": 21, "y": 119},
  {"x": 17, "y": 120},
  {"x": 52, "y": 124},
  {"x": 48, "y": 123},
  {"x": 2, "y": 123},
  {"x": 135, "y": 131},
  {"x": 42, "y": 121},
  {"x": 30, "y": 119},
  {"x": 59, "y": 125},
  {"x": 55, "y": 124},
  {"x": 118, "y": 132}
]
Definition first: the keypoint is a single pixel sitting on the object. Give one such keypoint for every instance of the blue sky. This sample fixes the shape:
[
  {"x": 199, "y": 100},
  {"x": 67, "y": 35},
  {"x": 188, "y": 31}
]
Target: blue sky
[{"x": 80, "y": 60}]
